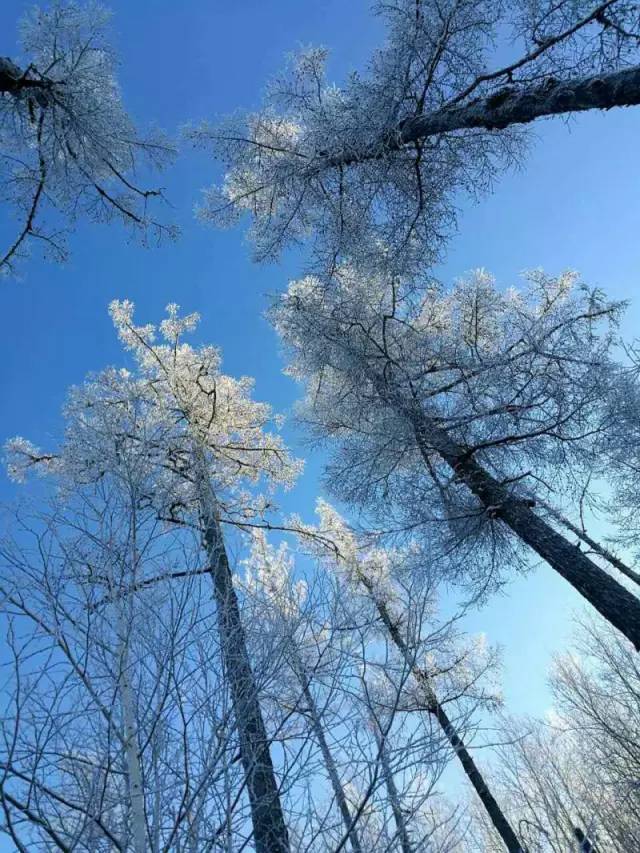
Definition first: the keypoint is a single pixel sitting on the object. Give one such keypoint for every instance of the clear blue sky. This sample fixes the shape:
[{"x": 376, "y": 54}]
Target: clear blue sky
[{"x": 575, "y": 204}]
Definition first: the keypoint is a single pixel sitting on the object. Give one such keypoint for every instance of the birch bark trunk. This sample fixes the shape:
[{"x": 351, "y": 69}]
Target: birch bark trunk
[{"x": 134, "y": 770}]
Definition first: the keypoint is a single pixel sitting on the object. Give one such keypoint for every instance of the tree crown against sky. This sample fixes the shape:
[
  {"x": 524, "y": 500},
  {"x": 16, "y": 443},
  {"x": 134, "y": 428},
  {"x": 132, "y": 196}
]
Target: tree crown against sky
[
  {"x": 518, "y": 378},
  {"x": 373, "y": 169},
  {"x": 584, "y": 752},
  {"x": 104, "y": 690},
  {"x": 177, "y": 399},
  {"x": 68, "y": 148}
]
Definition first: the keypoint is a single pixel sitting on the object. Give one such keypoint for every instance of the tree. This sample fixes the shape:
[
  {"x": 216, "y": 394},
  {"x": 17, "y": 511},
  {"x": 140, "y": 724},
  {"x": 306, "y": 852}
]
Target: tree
[
  {"x": 368, "y": 171},
  {"x": 357, "y": 712},
  {"x": 450, "y": 413},
  {"x": 574, "y": 777},
  {"x": 270, "y": 583},
  {"x": 68, "y": 148},
  {"x": 450, "y": 669},
  {"x": 208, "y": 438},
  {"x": 116, "y": 728}
]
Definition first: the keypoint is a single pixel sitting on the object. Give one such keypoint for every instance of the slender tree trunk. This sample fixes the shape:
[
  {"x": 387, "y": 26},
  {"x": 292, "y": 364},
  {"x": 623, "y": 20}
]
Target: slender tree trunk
[
  {"x": 332, "y": 771},
  {"x": 269, "y": 829},
  {"x": 497, "y": 817},
  {"x": 402, "y": 830},
  {"x": 595, "y": 546},
  {"x": 509, "y": 106},
  {"x": 610, "y": 598},
  {"x": 134, "y": 771}
]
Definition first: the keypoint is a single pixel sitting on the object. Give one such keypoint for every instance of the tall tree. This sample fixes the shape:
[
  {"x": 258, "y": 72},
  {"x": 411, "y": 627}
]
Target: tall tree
[
  {"x": 116, "y": 728},
  {"x": 68, "y": 148},
  {"x": 270, "y": 583},
  {"x": 451, "y": 412},
  {"x": 372, "y": 569},
  {"x": 209, "y": 440},
  {"x": 369, "y": 170},
  {"x": 574, "y": 776}
]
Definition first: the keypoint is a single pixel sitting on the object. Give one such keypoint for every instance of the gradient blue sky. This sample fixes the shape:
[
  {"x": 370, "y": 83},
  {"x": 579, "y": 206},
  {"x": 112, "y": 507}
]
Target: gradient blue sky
[{"x": 576, "y": 204}]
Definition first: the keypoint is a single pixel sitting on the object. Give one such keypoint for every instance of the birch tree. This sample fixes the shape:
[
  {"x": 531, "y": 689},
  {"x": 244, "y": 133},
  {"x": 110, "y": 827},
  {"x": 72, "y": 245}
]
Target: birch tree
[
  {"x": 208, "y": 439},
  {"x": 68, "y": 148},
  {"x": 369, "y": 169},
  {"x": 453, "y": 411}
]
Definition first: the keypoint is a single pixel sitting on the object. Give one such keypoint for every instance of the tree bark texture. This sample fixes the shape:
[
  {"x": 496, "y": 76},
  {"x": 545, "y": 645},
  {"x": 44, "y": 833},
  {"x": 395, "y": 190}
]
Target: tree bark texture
[{"x": 269, "y": 828}]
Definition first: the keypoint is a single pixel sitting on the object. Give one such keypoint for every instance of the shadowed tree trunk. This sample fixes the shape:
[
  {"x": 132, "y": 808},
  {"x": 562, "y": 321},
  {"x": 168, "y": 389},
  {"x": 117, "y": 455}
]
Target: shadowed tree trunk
[
  {"x": 498, "y": 819},
  {"x": 619, "y": 606},
  {"x": 508, "y": 106},
  {"x": 595, "y": 546},
  {"x": 269, "y": 829}
]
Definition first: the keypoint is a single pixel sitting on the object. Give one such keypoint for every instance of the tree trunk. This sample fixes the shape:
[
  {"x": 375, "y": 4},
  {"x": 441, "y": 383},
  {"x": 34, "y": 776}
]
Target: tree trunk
[
  {"x": 134, "y": 771},
  {"x": 402, "y": 831},
  {"x": 332, "y": 771},
  {"x": 498, "y": 819},
  {"x": 619, "y": 606},
  {"x": 269, "y": 829},
  {"x": 509, "y": 106}
]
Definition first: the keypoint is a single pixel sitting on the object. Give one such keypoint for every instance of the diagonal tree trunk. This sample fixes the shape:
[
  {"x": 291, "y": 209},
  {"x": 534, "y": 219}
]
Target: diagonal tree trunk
[
  {"x": 497, "y": 817},
  {"x": 595, "y": 546},
  {"x": 269, "y": 829},
  {"x": 469, "y": 766},
  {"x": 330, "y": 765},
  {"x": 619, "y": 606},
  {"x": 402, "y": 830},
  {"x": 508, "y": 106}
]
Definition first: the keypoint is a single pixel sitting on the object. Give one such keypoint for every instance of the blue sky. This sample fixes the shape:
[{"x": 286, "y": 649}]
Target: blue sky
[{"x": 575, "y": 204}]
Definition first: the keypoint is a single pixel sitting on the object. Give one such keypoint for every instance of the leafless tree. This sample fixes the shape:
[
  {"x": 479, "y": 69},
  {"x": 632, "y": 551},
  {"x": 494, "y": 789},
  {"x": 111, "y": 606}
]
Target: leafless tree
[
  {"x": 68, "y": 149},
  {"x": 368, "y": 171},
  {"x": 575, "y": 776}
]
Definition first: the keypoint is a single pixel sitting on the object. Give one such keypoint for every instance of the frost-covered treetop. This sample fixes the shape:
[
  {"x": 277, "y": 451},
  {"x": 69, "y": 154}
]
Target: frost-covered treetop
[
  {"x": 67, "y": 144},
  {"x": 369, "y": 167},
  {"x": 437, "y": 649},
  {"x": 269, "y": 576},
  {"x": 217, "y": 409},
  {"x": 336, "y": 545},
  {"x": 176, "y": 412},
  {"x": 519, "y": 378}
]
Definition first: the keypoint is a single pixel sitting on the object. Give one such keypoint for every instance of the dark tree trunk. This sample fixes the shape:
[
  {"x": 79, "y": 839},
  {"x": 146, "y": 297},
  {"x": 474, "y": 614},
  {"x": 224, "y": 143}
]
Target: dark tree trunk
[
  {"x": 595, "y": 546},
  {"x": 269, "y": 829},
  {"x": 14, "y": 81},
  {"x": 509, "y": 106},
  {"x": 620, "y": 607},
  {"x": 497, "y": 817}
]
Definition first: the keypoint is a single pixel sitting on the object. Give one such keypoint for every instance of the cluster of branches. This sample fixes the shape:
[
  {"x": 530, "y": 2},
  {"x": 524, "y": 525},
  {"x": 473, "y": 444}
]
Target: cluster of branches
[
  {"x": 155, "y": 701},
  {"x": 68, "y": 148},
  {"x": 311, "y": 702},
  {"x": 295, "y": 699}
]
